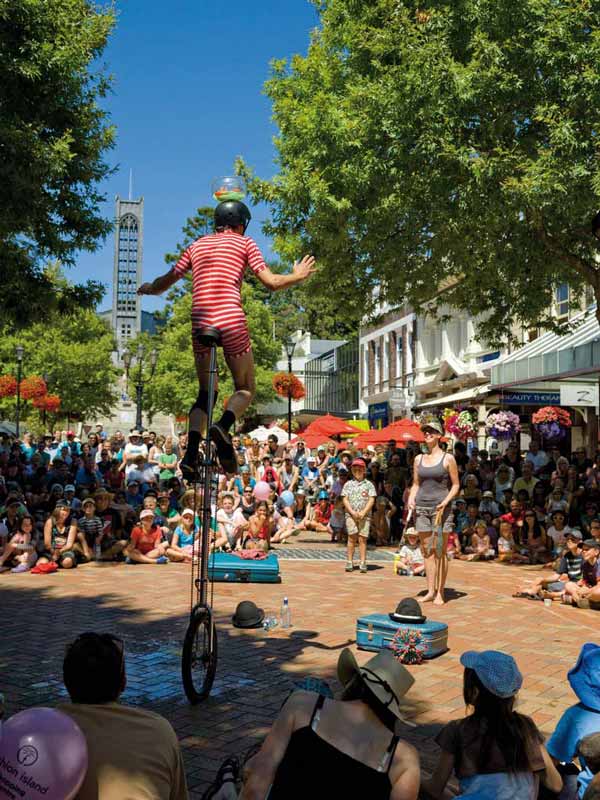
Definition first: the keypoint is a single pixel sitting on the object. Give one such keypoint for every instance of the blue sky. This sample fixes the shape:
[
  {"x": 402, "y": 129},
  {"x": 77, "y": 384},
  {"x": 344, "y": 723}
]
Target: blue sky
[{"x": 187, "y": 100}]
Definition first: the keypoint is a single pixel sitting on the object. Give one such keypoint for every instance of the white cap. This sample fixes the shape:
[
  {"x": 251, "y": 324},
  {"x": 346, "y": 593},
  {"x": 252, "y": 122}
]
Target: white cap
[
  {"x": 147, "y": 513},
  {"x": 187, "y": 512}
]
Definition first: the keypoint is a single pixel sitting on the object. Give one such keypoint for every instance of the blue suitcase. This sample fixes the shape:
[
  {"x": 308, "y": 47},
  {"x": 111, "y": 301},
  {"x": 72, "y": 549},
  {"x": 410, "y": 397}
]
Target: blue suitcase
[
  {"x": 233, "y": 569},
  {"x": 376, "y": 631}
]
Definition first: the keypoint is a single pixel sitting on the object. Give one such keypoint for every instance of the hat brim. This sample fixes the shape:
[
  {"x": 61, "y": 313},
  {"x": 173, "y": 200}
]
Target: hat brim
[
  {"x": 348, "y": 668},
  {"x": 257, "y": 623},
  {"x": 418, "y": 620},
  {"x": 579, "y": 678}
]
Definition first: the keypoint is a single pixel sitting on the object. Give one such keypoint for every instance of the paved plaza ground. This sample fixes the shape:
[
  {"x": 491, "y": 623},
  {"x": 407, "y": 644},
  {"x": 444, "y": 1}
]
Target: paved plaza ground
[{"x": 148, "y": 607}]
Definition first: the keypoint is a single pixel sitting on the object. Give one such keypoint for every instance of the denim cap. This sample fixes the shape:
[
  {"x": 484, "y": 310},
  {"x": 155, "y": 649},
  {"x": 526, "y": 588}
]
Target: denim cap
[
  {"x": 585, "y": 676},
  {"x": 497, "y": 671}
]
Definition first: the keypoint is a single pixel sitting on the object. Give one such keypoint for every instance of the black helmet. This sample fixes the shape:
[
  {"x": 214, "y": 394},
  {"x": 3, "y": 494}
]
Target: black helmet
[{"x": 232, "y": 213}]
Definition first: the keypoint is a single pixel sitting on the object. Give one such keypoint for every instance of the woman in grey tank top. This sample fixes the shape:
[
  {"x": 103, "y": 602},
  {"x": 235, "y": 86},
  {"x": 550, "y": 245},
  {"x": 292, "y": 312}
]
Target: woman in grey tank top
[{"x": 435, "y": 485}]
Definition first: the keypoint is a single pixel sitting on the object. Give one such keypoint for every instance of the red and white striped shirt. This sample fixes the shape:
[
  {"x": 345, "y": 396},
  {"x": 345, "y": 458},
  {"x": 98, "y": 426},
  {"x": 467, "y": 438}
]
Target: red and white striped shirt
[{"x": 218, "y": 262}]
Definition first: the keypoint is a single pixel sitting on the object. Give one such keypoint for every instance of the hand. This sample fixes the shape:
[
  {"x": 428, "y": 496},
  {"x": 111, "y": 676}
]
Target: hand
[
  {"x": 411, "y": 504},
  {"x": 304, "y": 269},
  {"x": 440, "y": 508},
  {"x": 146, "y": 288}
]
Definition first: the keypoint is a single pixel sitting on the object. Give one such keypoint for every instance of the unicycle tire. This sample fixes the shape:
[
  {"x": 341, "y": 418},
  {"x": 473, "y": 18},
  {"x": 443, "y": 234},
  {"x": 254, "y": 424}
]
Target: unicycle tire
[{"x": 199, "y": 656}]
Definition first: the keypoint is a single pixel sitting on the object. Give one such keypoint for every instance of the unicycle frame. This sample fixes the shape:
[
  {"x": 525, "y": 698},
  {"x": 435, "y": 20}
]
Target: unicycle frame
[{"x": 201, "y": 611}]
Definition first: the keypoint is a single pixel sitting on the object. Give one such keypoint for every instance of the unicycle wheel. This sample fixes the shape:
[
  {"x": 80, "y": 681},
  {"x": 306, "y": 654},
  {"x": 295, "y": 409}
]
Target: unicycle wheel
[{"x": 199, "y": 656}]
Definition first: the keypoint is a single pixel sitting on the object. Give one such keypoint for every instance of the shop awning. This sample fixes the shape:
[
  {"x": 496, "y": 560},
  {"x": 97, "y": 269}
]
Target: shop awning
[
  {"x": 553, "y": 357},
  {"x": 475, "y": 392}
]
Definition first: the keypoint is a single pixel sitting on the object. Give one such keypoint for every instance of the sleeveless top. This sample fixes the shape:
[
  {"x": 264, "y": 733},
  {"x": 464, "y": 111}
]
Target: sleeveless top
[
  {"x": 434, "y": 483},
  {"x": 312, "y": 767}
]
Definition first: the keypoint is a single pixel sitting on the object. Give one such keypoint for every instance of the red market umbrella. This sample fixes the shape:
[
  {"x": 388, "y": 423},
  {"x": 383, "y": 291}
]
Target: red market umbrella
[
  {"x": 332, "y": 426},
  {"x": 402, "y": 431},
  {"x": 312, "y": 440}
]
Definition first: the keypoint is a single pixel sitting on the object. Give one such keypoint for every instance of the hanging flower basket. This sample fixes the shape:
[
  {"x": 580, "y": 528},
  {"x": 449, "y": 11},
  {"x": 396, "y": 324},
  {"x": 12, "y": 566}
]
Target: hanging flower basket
[
  {"x": 552, "y": 422},
  {"x": 49, "y": 402},
  {"x": 503, "y": 425},
  {"x": 8, "y": 386},
  {"x": 33, "y": 387},
  {"x": 288, "y": 385},
  {"x": 460, "y": 424}
]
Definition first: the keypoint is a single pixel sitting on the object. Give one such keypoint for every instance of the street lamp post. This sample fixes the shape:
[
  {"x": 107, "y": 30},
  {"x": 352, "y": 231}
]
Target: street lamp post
[
  {"x": 290, "y": 346},
  {"x": 19, "y": 354},
  {"x": 140, "y": 381}
]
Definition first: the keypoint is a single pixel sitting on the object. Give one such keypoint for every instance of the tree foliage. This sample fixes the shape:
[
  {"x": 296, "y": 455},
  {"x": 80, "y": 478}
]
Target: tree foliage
[
  {"x": 426, "y": 145},
  {"x": 73, "y": 350},
  {"x": 175, "y": 385},
  {"x": 53, "y": 139}
]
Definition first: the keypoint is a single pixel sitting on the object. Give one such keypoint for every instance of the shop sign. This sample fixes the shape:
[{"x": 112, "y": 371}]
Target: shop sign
[
  {"x": 379, "y": 415},
  {"x": 531, "y": 398},
  {"x": 579, "y": 394}
]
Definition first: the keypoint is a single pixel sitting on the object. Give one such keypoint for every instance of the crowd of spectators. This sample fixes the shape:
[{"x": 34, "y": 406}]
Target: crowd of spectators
[{"x": 65, "y": 501}]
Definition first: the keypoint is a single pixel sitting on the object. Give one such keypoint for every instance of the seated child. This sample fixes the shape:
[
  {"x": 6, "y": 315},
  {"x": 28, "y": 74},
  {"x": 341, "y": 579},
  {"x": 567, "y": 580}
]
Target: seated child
[
  {"x": 479, "y": 548},
  {"x": 411, "y": 561},
  {"x": 19, "y": 554},
  {"x": 184, "y": 536},
  {"x": 337, "y": 521},
  {"x": 453, "y": 545},
  {"x": 507, "y": 547},
  {"x": 569, "y": 569}
]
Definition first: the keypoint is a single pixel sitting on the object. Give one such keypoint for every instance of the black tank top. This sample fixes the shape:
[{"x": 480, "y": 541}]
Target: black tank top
[{"x": 311, "y": 767}]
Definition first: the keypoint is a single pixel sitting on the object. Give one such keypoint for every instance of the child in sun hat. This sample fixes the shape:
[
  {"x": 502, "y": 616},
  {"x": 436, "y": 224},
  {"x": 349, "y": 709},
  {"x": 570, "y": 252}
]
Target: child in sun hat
[
  {"x": 495, "y": 752},
  {"x": 359, "y": 496},
  {"x": 411, "y": 561},
  {"x": 580, "y": 719}
]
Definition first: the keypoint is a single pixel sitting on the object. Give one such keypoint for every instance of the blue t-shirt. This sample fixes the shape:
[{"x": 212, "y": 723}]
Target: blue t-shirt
[
  {"x": 240, "y": 486},
  {"x": 577, "y": 722},
  {"x": 185, "y": 539},
  {"x": 28, "y": 450}
]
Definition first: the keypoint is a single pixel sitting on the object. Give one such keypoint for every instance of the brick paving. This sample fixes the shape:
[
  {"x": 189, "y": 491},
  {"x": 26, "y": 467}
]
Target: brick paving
[{"x": 148, "y": 607}]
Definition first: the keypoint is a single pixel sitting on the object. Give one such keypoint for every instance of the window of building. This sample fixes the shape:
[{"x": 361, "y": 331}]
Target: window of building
[
  {"x": 377, "y": 377},
  {"x": 386, "y": 360},
  {"x": 561, "y": 301},
  {"x": 399, "y": 354},
  {"x": 365, "y": 375}
]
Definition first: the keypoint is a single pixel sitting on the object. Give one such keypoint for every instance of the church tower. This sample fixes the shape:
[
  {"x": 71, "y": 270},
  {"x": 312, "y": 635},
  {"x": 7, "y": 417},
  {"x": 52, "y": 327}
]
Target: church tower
[{"x": 127, "y": 271}]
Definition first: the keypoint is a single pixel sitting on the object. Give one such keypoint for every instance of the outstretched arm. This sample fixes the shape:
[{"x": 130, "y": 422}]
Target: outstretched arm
[
  {"x": 160, "y": 284},
  {"x": 300, "y": 272}
]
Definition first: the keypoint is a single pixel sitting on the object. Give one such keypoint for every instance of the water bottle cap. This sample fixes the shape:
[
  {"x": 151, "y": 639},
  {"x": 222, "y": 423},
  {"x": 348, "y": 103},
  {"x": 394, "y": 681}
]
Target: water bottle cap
[{"x": 285, "y": 599}]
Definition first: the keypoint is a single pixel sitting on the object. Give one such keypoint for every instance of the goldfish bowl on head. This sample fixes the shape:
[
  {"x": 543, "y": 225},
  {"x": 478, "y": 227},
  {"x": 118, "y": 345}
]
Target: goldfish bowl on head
[{"x": 228, "y": 187}]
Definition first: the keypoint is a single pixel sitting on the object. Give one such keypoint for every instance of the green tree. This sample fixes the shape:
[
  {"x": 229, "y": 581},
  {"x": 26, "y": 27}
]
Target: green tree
[
  {"x": 74, "y": 351},
  {"x": 175, "y": 386},
  {"x": 53, "y": 139},
  {"x": 435, "y": 145}
]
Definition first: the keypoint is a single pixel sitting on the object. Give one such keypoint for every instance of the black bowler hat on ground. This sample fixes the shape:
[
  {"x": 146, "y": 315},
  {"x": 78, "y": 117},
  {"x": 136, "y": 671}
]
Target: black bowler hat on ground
[
  {"x": 247, "y": 615},
  {"x": 408, "y": 610}
]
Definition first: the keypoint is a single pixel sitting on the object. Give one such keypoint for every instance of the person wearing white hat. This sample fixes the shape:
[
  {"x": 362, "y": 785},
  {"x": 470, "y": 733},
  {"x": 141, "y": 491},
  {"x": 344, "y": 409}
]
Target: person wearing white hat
[
  {"x": 340, "y": 748},
  {"x": 184, "y": 538},
  {"x": 146, "y": 545},
  {"x": 135, "y": 447}
]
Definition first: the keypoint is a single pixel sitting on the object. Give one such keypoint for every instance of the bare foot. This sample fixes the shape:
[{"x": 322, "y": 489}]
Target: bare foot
[
  {"x": 428, "y": 598},
  {"x": 438, "y": 600}
]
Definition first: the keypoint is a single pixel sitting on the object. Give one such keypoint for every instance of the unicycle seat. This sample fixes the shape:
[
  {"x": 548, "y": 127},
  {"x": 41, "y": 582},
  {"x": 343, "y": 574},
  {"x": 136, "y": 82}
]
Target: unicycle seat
[{"x": 208, "y": 336}]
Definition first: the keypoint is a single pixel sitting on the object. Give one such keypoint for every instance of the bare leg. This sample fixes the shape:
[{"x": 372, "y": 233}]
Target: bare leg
[
  {"x": 362, "y": 546},
  {"x": 351, "y": 546},
  {"x": 441, "y": 567},
  {"x": 425, "y": 540},
  {"x": 242, "y": 372}
]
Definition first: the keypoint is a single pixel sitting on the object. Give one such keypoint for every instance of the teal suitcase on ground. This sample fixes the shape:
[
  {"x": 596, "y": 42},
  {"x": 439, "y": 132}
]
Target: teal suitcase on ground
[
  {"x": 229, "y": 568},
  {"x": 376, "y": 631}
]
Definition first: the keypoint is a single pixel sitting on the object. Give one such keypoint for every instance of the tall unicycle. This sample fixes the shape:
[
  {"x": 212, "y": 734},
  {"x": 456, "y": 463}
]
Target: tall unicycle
[{"x": 200, "y": 645}]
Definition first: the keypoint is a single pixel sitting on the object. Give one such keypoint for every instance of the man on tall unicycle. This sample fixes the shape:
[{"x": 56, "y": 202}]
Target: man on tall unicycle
[{"x": 217, "y": 263}]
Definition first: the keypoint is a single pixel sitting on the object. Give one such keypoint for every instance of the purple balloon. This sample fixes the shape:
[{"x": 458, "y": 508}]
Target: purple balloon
[{"x": 44, "y": 754}]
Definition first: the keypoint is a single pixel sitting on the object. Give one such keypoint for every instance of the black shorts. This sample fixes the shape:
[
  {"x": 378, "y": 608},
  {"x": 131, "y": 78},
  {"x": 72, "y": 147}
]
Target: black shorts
[{"x": 75, "y": 558}]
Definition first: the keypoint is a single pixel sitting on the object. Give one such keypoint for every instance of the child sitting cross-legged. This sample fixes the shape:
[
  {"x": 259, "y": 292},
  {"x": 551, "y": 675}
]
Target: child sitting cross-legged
[
  {"x": 186, "y": 533},
  {"x": 19, "y": 554},
  {"x": 507, "y": 547},
  {"x": 411, "y": 561},
  {"x": 479, "y": 548}
]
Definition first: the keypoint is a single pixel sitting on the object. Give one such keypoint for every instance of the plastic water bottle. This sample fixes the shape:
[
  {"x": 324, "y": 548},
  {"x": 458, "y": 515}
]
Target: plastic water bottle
[
  {"x": 286, "y": 614},
  {"x": 97, "y": 553}
]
